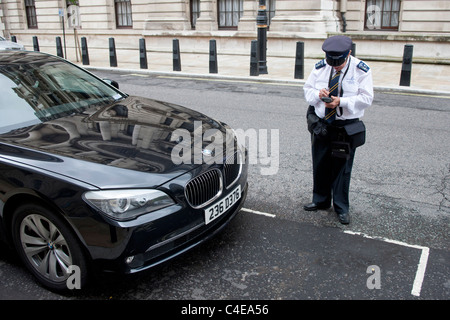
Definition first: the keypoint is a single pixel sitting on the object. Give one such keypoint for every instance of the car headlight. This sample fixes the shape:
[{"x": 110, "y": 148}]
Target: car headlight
[{"x": 127, "y": 204}]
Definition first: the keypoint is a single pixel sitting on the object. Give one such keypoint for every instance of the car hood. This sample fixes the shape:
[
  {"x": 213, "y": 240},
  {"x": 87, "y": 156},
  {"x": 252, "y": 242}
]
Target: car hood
[{"x": 110, "y": 146}]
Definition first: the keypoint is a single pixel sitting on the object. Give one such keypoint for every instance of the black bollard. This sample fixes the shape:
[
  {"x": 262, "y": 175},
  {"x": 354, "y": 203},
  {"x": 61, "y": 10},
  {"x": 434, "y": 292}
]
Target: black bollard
[
  {"x": 212, "y": 56},
  {"x": 176, "y": 55},
  {"x": 299, "y": 61},
  {"x": 143, "y": 54},
  {"x": 262, "y": 22},
  {"x": 405, "y": 76},
  {"x": 84, "y": 51},
  {"x": 35, "y": 43},
  {"x": 353, "y": 49},
  {"x": 112, "y": 53},
  {"x": 254, "y": 58},
  {"x": 59, "y": 51},
  {"x": 13, "y": 39}
]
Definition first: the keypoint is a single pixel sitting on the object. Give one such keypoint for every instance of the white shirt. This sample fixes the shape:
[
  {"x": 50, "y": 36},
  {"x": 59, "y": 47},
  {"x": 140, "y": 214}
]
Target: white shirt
[{"x": 356, "y": 84}]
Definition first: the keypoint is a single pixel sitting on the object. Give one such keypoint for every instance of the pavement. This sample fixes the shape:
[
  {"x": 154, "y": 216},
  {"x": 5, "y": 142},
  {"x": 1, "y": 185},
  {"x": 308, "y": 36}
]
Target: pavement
[{"x": 425, "y": 78}]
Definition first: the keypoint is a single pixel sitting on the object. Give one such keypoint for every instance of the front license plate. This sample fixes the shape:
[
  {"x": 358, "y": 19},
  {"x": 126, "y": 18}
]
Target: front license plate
[{"x": 220, "y": 207}]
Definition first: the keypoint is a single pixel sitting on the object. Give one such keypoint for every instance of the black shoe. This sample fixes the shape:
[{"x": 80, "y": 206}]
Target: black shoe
[
  {"x": 316, "y": 206},
  {"x": 344, "y": 218}
]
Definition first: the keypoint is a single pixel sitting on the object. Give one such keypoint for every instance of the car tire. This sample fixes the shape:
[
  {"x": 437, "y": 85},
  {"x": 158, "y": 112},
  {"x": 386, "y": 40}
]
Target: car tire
[{"x": 48, "y": 248}]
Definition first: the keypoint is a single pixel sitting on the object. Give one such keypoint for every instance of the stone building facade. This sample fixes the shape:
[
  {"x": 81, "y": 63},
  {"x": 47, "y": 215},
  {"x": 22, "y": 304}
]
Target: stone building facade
[{"x": 379, "y": 28}]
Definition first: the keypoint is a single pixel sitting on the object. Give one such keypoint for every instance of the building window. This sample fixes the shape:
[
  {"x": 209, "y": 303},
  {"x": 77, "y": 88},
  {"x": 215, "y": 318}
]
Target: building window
[
  {"x": 195, "y": 12},
  {"x": 230, "y": 11},
  {"x": 123, "y": 13},
  {"x": 30, "y": 10},
  {"x": 382, "y": 14}
]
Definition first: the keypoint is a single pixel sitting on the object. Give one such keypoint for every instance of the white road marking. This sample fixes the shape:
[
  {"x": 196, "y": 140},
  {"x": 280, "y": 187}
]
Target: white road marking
[{"x": 260, "y": 213}]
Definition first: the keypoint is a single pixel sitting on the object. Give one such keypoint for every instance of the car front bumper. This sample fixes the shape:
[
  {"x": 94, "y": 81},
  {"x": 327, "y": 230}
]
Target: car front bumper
[{"x": 134, "y": 249}]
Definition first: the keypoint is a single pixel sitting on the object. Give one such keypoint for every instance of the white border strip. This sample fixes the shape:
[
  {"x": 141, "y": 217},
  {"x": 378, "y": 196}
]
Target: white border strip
[{"x": 421, "y": 267}]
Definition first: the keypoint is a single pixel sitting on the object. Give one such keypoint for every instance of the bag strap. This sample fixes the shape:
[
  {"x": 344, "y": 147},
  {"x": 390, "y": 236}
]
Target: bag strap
[{"x": 341, "y": 93}]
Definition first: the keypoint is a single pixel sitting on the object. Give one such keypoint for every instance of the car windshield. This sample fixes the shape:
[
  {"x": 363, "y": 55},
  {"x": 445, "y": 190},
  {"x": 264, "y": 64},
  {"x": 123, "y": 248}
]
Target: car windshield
[{"x": 35, "y": 91}]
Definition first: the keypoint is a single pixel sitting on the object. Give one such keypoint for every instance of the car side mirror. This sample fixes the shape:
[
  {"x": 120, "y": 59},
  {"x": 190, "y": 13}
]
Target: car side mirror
[{"x": 113, "y": 83}]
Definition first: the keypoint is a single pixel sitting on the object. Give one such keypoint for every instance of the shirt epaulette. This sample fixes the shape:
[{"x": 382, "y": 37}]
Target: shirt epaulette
[
  {"x": 364, "y": 67},
  {"x": 320, "y": 64}
]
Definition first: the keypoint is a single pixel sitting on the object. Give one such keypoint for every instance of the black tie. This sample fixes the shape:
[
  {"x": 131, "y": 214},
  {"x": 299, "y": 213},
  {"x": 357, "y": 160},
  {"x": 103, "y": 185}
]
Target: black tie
[{"x": 330, "y": 114}]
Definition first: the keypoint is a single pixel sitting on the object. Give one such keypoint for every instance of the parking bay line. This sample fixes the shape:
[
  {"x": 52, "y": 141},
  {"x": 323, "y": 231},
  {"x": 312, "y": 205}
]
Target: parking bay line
[
  {"x": 421, "y": 267},
  {"x": 259, "y": 213}
]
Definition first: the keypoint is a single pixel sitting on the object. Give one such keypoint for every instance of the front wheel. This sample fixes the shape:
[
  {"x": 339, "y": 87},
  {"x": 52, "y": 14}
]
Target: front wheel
[{"x": 48, "y": 248}]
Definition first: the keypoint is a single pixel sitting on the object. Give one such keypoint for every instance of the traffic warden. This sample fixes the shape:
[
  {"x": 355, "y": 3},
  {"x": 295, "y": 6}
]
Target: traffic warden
[{"x": 338, "y": 91}]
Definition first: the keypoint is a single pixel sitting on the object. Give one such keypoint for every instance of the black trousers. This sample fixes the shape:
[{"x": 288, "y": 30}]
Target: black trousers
[{"x": 331, "y": 174}]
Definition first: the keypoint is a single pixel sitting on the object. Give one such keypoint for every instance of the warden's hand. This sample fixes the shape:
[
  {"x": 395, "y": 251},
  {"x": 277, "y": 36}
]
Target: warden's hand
[
  {"x": 333, "y": 104},
  {"x": 323, "y": 93}
]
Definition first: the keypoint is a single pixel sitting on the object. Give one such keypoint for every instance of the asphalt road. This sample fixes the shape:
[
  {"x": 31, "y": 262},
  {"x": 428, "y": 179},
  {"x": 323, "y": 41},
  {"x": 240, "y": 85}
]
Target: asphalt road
[{"x": 396, "y": 246}]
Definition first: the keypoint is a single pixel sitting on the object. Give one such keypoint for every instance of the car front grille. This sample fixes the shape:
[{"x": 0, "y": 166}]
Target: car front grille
[
  {"x": 204, "y": 189},
  {"x": 232, "y": 169},
  {"x": 208, "y": 186}
]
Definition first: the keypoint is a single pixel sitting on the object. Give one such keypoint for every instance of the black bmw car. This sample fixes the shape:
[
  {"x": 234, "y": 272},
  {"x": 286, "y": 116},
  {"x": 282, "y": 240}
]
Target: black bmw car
[{"x": 90, "y": 176}]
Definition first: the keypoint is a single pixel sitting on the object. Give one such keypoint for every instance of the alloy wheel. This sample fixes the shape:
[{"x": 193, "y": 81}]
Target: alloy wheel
[{"x": 45, "y": 247}]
